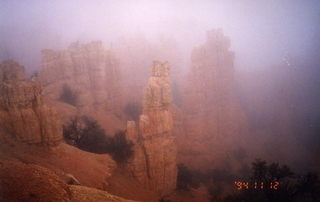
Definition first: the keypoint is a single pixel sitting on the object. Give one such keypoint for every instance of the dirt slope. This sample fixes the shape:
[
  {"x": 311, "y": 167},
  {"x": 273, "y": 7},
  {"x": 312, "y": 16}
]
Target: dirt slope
[{"x": 95, "y": 173}]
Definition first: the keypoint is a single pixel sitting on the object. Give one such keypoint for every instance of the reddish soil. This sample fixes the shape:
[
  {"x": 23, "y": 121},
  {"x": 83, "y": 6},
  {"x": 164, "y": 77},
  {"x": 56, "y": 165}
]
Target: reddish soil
[
  {"x": 21, "y": 182},
  {"x": 36, "y": 173}
]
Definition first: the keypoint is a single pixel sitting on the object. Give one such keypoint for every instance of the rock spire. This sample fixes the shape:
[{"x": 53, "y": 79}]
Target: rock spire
[{"x": 154, "y": 161}]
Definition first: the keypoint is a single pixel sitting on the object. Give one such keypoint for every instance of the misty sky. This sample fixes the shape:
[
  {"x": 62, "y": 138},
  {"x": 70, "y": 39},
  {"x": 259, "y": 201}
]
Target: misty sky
[{"x": 262, "y": 32}]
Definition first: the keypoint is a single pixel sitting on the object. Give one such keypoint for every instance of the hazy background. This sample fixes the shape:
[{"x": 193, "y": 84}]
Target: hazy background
[
  {"x": 262, "y": 32},
  {"x": 276, "y": 44}
]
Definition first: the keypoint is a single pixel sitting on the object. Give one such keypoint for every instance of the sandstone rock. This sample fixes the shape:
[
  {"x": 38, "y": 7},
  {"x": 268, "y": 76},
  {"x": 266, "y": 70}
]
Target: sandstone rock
[
  {"x": 11, "y": 71},
  {"x": 154, "y": 161},
  {"x": 28, "y": 117},
  {"x": 92, "y": 73},
  {"x": 137, "y": 166},
  {"x": 132, "y": 133},
  {"x": 71, "y": 179},
  {"x": 213, "y": 119}
]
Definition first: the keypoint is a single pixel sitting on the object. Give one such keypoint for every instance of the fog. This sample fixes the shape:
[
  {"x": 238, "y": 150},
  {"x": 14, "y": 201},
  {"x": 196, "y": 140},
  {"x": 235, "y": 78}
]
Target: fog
[
  {"x": 276, "y": 43},
  {"x": 262, "y": 33}
]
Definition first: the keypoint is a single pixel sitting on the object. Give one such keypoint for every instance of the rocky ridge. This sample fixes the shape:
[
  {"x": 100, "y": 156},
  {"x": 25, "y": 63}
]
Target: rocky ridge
[{"x": 23, "y": 110}]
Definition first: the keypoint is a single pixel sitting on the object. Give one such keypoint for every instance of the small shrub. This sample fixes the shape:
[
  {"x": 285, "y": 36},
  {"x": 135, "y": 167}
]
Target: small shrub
[
  {"x": 93, "y": 138},
  {"x": 121, "y": 148},
  {"x": 68, "y": 96}
]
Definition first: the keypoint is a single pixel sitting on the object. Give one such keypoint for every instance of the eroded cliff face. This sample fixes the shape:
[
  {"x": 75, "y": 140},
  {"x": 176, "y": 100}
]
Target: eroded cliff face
[
  {"x": 23, "y": 110},
  {"x": 213, "y": 120},
  {"x": 91, "y": 72},
  {"x": 154, "y": 161}
]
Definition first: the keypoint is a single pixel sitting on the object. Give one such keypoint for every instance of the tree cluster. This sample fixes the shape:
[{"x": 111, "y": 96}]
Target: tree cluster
[{"x": 86, "y": 134}]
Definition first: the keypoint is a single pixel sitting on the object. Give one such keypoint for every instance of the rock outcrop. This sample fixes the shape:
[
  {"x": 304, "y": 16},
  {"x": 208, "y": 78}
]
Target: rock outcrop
[
  {"x": 154, "y": 161},
  {"x": 91, "y": 73},
  {"x": 23, "y": 110},
  {"x": 213, "y": 118}
]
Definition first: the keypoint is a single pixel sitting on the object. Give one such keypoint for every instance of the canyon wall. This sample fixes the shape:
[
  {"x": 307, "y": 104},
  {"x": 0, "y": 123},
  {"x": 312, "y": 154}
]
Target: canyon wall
[
  {"x": 154, "y": 160},
  {"x": 23, "y": 110},
  {"x": 213, "y": 121},
  {"x": 91, "y": 73}
]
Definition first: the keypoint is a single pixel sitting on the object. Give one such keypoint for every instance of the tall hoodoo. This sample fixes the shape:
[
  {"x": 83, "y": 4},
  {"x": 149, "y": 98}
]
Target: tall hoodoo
[
  {"x": 23, "y": 110},
  {"x": 213, "y": 118},
  {"x": 157, "y": 117},
  {"x": 154, "y": 161}
]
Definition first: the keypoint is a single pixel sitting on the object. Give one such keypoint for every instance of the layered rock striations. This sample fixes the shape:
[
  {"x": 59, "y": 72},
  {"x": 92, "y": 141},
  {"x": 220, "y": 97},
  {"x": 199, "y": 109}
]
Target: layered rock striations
[
  {"x": 154, "y": 161},
  {"x": 213, "y": 119},
  {"x": 90, "y": 72},
  {"x": 23, "y": 110}
]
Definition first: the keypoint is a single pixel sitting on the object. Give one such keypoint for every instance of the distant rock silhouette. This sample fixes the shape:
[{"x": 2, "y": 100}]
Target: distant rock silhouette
[{"x": 213, "y": 118}]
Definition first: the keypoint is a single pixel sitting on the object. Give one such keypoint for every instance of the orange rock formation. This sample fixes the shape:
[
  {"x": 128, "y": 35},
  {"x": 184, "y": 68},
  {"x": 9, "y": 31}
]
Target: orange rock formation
[
  {"x": 23, "y": 110},
  {"x": 154, "y": 161},
  {"x": 213, "y": 119},
  {"x": 90, "y": 71}
]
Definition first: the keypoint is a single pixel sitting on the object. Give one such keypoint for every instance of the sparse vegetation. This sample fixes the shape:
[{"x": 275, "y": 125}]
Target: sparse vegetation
[
  {"x": 69, "y": 96},
  {"x": 86, "y": 134},
  {"x": 121, "y": 149}
]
